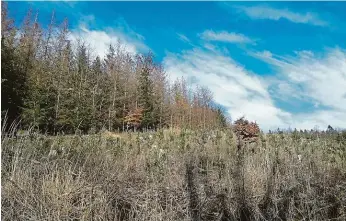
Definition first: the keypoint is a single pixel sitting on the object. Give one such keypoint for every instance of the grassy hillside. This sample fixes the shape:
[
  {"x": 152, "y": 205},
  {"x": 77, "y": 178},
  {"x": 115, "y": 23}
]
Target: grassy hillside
[{"x": 180, "y": 175}]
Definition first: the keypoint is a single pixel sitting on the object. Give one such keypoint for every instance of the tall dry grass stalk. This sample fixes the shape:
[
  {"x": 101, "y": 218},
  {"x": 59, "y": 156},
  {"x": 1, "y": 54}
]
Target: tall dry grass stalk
[{"x": 189, "y": 175}]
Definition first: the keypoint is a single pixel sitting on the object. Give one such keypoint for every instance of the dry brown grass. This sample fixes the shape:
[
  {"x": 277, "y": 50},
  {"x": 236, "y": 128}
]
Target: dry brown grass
[
  {"x": 108, "y": 134},
  {"x": 172, "y": 176}
]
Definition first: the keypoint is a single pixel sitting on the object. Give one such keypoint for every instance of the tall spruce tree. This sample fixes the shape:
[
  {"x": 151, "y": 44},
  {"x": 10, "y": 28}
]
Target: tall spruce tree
[
  {"x": 13, "y": 78},
  {"x": 146, "y": 92}
]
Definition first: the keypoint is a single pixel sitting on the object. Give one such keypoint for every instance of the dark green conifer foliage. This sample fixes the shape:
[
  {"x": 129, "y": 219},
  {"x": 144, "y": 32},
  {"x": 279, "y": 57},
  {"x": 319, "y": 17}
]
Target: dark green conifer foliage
[
  {"x": 146, "y": 92},
  {"x": 56, "y": 84},
  {"x": 13, "y": 78}
]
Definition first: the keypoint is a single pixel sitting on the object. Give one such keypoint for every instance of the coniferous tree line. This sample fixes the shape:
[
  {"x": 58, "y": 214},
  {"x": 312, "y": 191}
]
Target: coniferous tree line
[{"x": 54, "y": 85}]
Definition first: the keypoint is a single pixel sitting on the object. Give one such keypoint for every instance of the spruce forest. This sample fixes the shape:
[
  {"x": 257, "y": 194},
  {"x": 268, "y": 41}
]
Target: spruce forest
[{"x": 53, "y": 86}]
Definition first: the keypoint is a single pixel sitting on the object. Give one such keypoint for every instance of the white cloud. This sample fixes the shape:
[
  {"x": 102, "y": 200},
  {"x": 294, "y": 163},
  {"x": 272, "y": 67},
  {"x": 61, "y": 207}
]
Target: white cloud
[
  {"x": 240, "y": 91},
  {"x": 99, "y": 40},
  {"x": 306, "y": 77},
  {"x": 321, "y": 119},
  {"x": 323, "y": 79},
  {"x": 320, "y": 79},
  {"x": 266, "y": 12},
  {"x": 183, "y": 38},
  {"x": 225, "y": 36}
]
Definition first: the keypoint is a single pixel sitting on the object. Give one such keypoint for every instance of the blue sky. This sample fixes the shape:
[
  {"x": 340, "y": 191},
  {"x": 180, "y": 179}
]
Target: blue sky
[{"x": 282, "y": 64}]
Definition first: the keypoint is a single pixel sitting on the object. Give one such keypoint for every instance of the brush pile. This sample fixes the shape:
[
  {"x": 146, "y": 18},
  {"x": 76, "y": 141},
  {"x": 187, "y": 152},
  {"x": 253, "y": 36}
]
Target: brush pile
[{"x": 245, "y": 130}]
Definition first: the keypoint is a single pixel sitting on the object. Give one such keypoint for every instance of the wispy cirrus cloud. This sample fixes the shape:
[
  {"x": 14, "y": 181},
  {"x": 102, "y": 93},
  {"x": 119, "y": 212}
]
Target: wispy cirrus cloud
[
  {"x": 316, "y": 82},
  {"x": 270, "y": 13},
  {"x": 322, "y": 78},
  {"x": 319, "y": 79},
  {"x": 224, "y": 36},
  {"x": 183, "y": 38}
]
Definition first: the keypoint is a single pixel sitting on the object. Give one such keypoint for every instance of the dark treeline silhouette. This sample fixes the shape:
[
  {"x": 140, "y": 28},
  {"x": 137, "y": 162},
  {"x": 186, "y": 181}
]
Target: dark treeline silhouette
[{"x": 55, "y": 85}]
